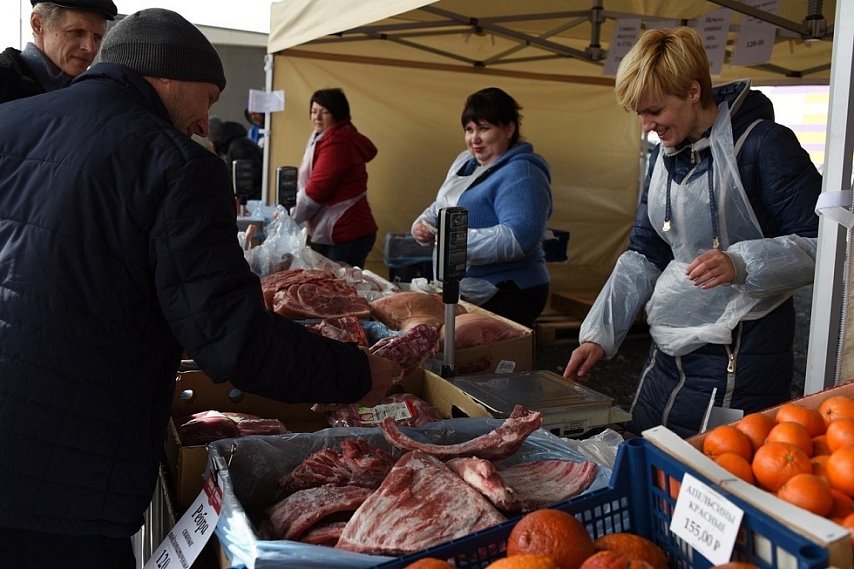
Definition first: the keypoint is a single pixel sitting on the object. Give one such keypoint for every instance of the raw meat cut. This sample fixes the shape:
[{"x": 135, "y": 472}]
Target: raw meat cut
[
  {"x": 312, "y": 293},
  {"x": 495, "y": 445},
  {"x": 544, "y": 483},
  {"x": 473, "y": 329},
  {"x": 259, "y": 426},
  {"x": 205, "y": 427},
  {"x": 406, "y": 408},
  {"x": 324, "y": 533},
  {"x": 407, "y": 309},
  {"x": 357, "y": 464},
  {"x": 292, "y": 517},
  {"x": 410, "y": 349},
  {"x": 345, "y": 329},
  {"x": 420, "y": 503},
  {"x": 482, "y": 475},
  {"x": 526, "y": 486}
]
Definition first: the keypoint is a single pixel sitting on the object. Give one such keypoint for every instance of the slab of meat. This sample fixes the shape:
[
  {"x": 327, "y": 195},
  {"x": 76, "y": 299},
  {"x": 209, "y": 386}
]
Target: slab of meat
[
  {"x": 407, "y": 309},
  {"x": 409, "y": 349},
  {"x": 357, "y": 464},
  {"x": 324, "y": 533},
  {"x": 495, "y": 445},
  {"x": 405, "y": 408},
  {"x": 293, "y": 516},
  {"x": 312, "y": 293},
  {"x": 420, "y": 503},
  {"x": 345, "y": 329},
  {"x": 260, "y": 426},
  {"x": 472, "y": 329},
  {"x": 544, "y": 483},
  {"x": 205, "y": 427},
  {"x": 526, "y": 486}
]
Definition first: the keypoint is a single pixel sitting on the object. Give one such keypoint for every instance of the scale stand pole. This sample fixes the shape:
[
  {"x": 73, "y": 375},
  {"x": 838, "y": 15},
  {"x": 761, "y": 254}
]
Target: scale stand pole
[{"x": 450, "y": 296}]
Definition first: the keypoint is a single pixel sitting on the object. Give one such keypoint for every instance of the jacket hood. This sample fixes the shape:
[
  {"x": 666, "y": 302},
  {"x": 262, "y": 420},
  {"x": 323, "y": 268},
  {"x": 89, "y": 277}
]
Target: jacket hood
[
  {"x": 346, "y": 130},
  {"x": 745, "y": 105}
]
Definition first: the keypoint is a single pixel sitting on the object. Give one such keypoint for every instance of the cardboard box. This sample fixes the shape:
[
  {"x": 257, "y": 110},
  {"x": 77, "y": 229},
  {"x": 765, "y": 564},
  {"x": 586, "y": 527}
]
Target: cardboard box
[
  {"x": 195, "y": 392},
  {"x": 514, "y": 354}
]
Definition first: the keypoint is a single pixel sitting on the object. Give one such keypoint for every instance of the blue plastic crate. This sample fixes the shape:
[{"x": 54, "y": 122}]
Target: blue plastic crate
[{"x": 639, "y": 500}]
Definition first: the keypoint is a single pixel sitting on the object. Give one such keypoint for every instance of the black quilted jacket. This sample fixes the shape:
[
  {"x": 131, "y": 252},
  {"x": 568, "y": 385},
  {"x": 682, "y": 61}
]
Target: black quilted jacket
[{"x": 118, "y": 248}]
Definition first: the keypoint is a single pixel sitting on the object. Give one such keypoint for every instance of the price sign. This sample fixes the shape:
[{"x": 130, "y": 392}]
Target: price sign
[
  {"x": 706, "y": 520},
  {"x": 191, "y": 533}
]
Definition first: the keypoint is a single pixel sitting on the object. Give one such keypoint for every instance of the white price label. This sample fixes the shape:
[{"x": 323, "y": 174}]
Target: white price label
[
  {"x": 185, "y": 541},
  {"x": 706, "y": 520}
]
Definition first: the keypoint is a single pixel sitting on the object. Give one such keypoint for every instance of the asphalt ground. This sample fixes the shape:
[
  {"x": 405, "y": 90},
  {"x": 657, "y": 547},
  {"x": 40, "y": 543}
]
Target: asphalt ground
[{"x": 618, "y": 377}]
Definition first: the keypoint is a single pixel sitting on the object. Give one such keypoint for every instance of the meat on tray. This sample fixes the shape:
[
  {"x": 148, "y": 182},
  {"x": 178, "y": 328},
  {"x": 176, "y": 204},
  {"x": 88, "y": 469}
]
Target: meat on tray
[
  {"x": 407, "y": 309},
  {"x": 346, "y": 329},
  {"x": 324, "y": 533},
  {"x": 406, "y": 409},
  {"x": 295, "y": 515},
  {"x": 526, "y": 486},
  {"x": 409, "y": 349},
  {"x": 420, "y": 503},
  {"x": 358, "y": 463},
  {"x": 472, "y": 329},
  {"x": 495, "y": 445},
  {"x": 208, "y": 426},
  {"x": 312, "y": 293}
]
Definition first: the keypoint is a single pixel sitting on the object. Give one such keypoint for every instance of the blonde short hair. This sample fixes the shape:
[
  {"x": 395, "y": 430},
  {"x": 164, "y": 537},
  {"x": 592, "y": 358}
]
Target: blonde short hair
[{"x": 664, "y": 62}]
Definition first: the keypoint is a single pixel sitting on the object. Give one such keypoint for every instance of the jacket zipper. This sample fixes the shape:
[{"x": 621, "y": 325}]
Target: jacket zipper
[{"x": 732, "y": 356}]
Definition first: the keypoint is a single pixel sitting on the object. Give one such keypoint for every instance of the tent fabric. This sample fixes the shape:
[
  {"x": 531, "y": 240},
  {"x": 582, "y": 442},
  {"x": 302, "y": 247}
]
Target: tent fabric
[{"x": 408, "y": 65}]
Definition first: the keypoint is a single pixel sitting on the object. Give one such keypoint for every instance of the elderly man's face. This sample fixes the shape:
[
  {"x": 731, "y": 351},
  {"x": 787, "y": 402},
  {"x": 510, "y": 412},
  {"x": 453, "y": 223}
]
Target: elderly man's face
[{"x": 73, "y": 42}]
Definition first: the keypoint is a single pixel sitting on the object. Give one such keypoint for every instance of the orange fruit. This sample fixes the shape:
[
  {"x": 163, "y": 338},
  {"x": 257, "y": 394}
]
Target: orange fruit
[
  {"x": 774, "y": 463},
  {"x": 840, "y": 469},
  {"x": 843, "y": 504},
  {"x": 429, "y": 563},
  {"x": 736, "y": 464},
  {"x": 606, "y": 559},
  {"x": 808, "y": 418},
  {"x": 634, "y": 547},
  {"x": 793, "y": 433},
  {"x": 667, "y": 483},
  {"x": 526, "y": 561},
  {"x": 756, "y": 426},
  {"x": 836, "y": 407},
  {"x": 840, "y": 432},
  {"x": 809, "y": 491},
  {"x": 554, "y": 533},
  {"x": 726, "y": 438},
  {"x": 819, "y": 445},
  {"x": 819, "y": 465}
]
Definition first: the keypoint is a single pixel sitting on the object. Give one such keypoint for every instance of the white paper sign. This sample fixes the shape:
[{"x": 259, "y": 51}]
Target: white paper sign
[
  {"x": 707, "y": 521},
  {"x": 186, "y": 540},
  {"x": 713, "y": 28},
  {"x": 266, "y": 101},
  {"x": 755, "y": 39},
  {"x": 624, "y": 36}
]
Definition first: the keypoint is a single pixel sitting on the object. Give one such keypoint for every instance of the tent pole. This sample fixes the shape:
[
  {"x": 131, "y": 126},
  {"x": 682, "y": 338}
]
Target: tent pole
[
  {"x": 830, "y": 290},
  {"x": 265, "y": 169}
]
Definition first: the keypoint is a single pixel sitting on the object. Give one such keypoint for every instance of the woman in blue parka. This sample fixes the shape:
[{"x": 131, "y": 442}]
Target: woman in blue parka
[{"x": 724, "y": 233}]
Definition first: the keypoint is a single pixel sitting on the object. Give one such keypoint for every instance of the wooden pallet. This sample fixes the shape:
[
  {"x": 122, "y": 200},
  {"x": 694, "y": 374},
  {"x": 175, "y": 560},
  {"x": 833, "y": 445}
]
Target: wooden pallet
[{"x": 552, "y": 330}]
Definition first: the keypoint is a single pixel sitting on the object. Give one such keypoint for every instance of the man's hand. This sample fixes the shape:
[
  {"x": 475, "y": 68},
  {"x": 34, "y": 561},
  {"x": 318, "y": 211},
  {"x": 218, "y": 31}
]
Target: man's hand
[
  {"x": 582, "y": 360},
  {"x": 710, "y": 269},
  {"x": 384, "y": 373}
]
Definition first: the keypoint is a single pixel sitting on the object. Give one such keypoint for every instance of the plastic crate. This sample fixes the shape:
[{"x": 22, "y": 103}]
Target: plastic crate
[
  {"x": 402, "y": 250},
  {"x": 555, "y": 248},
  {"x": 640, "y": 500}
]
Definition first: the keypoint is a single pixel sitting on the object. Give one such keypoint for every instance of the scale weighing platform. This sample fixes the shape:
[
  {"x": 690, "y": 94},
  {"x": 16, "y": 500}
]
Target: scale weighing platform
[{"x": 569, "y": 409}]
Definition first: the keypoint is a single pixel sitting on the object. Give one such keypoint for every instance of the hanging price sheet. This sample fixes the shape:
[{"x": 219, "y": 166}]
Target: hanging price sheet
[{"x": 706, "y": 520}]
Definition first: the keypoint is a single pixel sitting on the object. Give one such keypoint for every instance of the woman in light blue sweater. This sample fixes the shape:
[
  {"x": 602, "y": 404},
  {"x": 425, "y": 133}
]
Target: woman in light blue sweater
[{"x": 506, "y": 189}]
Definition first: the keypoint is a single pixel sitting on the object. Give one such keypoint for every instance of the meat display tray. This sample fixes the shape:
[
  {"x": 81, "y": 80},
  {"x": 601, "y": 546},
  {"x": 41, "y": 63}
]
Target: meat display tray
[{"x": 569, "y": 409}]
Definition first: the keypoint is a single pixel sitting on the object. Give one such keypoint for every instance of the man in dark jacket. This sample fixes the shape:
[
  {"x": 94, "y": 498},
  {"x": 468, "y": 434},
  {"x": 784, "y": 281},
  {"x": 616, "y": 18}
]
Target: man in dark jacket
[
  {"x": 66, "y": 38},
  {"x": 118, "y": 249}
]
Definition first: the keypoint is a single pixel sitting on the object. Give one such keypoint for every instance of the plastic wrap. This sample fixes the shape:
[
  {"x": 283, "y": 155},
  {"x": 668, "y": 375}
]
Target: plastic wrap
[{"x": 248, "y": 470}]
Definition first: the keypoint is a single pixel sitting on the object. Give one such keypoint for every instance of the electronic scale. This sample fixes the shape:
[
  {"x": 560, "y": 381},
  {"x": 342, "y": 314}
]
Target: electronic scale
[{"x": 569, "y": 409}]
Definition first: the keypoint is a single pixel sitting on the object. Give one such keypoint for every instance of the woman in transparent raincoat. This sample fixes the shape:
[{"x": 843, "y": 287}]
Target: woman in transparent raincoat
[{"x": 724, "y": 233}]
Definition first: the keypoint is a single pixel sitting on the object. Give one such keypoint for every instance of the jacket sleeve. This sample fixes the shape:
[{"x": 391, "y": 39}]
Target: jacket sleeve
[
  {"x": 214, "y": 306},
  {"x": 779, "y": 171}
]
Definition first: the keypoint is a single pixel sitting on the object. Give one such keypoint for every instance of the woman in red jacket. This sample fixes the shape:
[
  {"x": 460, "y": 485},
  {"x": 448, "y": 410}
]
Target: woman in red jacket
[{"x": 332, "y": 194}]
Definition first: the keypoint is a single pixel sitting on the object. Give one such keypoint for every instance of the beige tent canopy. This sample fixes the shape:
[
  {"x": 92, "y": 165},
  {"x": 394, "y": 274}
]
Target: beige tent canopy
[{"x": 407, "y": 66}]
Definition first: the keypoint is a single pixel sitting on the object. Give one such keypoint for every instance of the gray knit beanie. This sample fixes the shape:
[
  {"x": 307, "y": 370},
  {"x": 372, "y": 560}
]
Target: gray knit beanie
[{"x": 160, "y": 43}]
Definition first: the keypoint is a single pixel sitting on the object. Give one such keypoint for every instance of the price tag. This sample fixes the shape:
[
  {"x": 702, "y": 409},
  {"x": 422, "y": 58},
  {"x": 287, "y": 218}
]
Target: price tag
[
  {"x": 185, "y": 541},
  {"x": 707, "y": 521}
]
